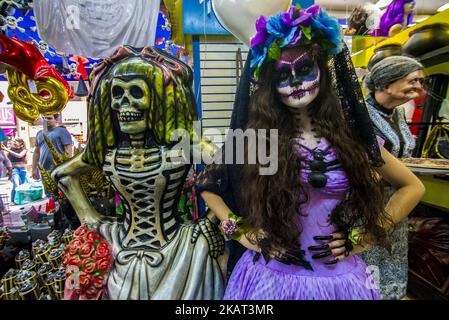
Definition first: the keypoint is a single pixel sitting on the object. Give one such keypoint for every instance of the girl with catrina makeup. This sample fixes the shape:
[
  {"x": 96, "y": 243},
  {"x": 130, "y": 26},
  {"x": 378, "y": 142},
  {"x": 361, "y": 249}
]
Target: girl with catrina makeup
[{"x": 301, "y": 228}]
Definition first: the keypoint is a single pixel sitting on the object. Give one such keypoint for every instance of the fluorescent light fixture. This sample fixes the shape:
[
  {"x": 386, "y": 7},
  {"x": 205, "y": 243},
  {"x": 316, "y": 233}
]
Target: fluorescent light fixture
[{"x": 443, "y": 7}]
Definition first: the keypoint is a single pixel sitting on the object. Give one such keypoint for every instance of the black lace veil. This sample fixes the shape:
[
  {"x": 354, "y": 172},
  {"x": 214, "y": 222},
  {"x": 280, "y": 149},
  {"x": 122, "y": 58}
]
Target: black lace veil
[{"x": 224, "y": 179}]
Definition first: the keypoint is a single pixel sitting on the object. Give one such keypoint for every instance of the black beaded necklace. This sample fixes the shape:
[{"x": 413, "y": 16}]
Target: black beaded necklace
[{"x": 318, "y": 167}]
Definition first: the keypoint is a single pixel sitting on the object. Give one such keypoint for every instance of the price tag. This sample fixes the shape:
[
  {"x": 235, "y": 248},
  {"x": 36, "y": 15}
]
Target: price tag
[{"x": 32, "y": 85}]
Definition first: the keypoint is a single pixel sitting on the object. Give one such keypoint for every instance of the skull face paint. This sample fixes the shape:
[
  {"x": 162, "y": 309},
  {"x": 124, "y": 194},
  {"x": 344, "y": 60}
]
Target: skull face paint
[
  {"x": 298, "y": 78},
  {"x": 131, "y": 99}
]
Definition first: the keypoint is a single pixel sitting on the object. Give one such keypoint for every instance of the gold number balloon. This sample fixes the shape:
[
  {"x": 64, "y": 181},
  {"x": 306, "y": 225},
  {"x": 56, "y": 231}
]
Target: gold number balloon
[{"x": 51, "y": 96}]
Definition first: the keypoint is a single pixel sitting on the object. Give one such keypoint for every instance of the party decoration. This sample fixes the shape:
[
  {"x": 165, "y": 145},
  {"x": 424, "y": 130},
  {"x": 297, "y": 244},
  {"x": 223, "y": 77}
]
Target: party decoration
[
  {"x": 39, "y": 274},
  {"x": 51, "y": 96},
  {"x": 364, "y": 19},
  {"x": 87, "y": 259},
  {"x": 96, "y": 28},
  {"x": 26, "y": 58},
  {"x": 175, "y": 9},
  {"x": 62, "y": 61},
  {"x": 173, "y": 15},
  {"x": 82, "y": 90},
  {"x": 35, "y": 87},
  {"x": 295, "y": 27},
  {"x": 138, "y": 100},
  {"x": 239, "y": 16}
]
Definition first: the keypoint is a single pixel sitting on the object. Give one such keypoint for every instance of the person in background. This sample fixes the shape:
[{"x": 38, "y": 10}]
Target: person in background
[
  {"x": 392, "y": 82},
  {"x": 59, "y": 137},
  {"x": 18, "y": 157},
  {"x": 5, "y": 165}
]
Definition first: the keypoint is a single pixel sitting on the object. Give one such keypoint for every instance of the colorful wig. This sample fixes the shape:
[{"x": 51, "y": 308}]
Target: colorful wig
[
  {"x": 393, "y": 15},
  {"x": 172, "y": 104}
]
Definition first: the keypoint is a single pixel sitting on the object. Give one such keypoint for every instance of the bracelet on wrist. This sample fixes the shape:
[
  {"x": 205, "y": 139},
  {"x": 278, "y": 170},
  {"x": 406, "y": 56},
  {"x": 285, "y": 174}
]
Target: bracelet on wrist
[
  {"x": 355, "y": 236},
  {"x": 233, "y": 228}
]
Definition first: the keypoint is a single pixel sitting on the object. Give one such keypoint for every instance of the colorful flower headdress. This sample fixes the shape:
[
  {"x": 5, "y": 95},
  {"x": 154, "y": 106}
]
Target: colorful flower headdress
[{"x": 292, "y": 28}]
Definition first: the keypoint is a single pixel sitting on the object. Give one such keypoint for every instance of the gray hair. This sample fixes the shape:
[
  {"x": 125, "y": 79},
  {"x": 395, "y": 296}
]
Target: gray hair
[{"x": 389, "y": 70}]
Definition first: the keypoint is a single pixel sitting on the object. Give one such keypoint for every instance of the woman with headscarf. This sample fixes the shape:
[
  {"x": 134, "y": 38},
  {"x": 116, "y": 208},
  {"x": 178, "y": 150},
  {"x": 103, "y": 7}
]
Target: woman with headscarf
[{"x": 393, "y": 82}]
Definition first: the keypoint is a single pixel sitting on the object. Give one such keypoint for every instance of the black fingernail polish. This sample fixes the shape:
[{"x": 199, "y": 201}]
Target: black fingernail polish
[
  {"x": 318, "y": 248},
  {"x": 322, "y": 255},
  {"x": 331, "y": 262},
  {"x": 319, "y": 238}
]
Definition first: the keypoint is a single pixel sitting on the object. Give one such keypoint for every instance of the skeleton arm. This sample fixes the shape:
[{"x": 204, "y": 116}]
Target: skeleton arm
[
  {"x": 203, "y": 148},
  {"x": 67, "y": 177}
]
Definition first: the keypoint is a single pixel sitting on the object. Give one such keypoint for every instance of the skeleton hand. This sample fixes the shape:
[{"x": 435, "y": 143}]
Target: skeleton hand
[{"x": 66, "y": 177}]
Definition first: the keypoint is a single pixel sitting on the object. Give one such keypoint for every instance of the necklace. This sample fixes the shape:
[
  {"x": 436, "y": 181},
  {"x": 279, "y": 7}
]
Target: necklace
[
  {"x": 313, "y": 134},
  {"x": 318, "y": 167}
]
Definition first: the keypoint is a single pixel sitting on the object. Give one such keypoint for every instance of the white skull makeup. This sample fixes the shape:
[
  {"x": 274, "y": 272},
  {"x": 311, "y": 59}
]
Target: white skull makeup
[
  {"x": 298, "y": 81},
  {"x": 131, "y": 99}
]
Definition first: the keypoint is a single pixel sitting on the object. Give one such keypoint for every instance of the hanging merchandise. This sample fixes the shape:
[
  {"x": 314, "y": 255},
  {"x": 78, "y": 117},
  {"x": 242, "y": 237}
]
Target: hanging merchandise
[
  {"x": 242, "y": 25},
  {"x": 2, "y": 135},
  {"x": 444, "y": 110},
  {"x": 176, "y": 20},
  {"x": 23, "y": 27},
  {"x": 397, "y": 15},
  {"x": 364, "y": 19},
  {"x": 437, "y": 143},
  {"x": 115, "y": 23},
  {"x": 35, "y": 87},
  {"x": 88, "y": 257},
  {"x": 173, "y": 16},
  {"x": 82, "y": 90}
]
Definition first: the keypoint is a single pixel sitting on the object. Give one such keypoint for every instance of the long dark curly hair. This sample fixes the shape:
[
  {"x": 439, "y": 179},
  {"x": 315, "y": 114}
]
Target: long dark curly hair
[{"x": 270, "y": 203}]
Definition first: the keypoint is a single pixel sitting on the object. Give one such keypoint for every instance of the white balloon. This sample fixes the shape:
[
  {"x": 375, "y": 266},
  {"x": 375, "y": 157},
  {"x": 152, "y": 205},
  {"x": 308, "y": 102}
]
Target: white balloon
[{"x": 239, "y": 16}]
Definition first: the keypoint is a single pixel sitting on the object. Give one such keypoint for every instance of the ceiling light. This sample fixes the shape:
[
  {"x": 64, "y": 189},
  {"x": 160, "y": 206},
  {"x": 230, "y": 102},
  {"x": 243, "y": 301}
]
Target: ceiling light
[{"x": 443, "y": 7}]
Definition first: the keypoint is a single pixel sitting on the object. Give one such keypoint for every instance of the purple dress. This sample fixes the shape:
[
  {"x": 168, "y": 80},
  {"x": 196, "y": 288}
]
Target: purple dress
[{"x": 349, "y": 279}]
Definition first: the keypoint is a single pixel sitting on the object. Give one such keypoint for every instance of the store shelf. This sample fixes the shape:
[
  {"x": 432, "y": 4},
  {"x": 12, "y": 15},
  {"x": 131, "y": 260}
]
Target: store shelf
[
  {"x": 435, "y": 57},
  {"x": 437, "y": 191}
]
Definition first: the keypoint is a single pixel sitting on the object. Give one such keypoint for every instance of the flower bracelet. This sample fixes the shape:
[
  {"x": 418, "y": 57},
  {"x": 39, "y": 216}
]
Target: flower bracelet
[{"x": 233, "y": 228}]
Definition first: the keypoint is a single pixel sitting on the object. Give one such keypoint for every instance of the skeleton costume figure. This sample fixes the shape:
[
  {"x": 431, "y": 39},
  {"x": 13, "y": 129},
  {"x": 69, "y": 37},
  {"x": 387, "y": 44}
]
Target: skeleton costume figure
[{"x": 138, "y": 98}]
